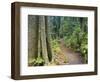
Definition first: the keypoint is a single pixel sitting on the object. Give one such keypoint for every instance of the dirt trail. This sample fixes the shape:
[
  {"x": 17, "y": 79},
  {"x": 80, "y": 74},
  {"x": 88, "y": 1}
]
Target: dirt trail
[{"x": 73, "y": 57}]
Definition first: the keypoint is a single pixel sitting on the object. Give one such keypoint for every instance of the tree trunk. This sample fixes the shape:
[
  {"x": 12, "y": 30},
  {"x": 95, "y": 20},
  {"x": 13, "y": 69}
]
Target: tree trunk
[
  {"x": 32, "y": 37},
  {"x": 82, "y": 24},
  {"x": 39, "y": 41},
  {"x": 49, "y": 49},
  {"x": 43, "y": 40}
]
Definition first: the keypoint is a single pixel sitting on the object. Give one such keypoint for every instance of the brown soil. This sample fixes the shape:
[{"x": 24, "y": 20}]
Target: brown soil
[{"x": 72, "y": 57}]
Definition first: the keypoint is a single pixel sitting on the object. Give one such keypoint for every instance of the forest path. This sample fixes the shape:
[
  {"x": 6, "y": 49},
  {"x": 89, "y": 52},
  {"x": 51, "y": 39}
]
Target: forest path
[{"x": 73, "y": 57}]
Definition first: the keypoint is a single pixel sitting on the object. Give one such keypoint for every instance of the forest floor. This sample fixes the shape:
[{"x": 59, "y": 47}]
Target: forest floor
[{"x": 72, "y": 57}]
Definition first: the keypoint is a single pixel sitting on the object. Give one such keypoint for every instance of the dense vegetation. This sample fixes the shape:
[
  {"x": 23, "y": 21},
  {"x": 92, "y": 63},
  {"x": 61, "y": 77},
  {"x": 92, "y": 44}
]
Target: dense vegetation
[{"x": 50, "y": 32}]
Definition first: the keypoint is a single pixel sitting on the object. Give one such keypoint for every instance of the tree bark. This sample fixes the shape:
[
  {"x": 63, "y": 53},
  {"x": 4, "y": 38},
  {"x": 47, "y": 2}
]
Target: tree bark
[
  {"x": 43, "y": 40},
  {"x": 49, "y": 49},
  {"x": 39, "y": 42},
  {"x": 32, "y": 36}
]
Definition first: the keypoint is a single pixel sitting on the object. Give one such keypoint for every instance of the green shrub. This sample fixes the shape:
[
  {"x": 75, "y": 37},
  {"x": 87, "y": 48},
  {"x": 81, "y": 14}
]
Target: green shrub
[{"x": 39, "y": 62}]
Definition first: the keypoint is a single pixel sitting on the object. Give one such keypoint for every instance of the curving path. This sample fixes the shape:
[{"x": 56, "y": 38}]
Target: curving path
[{"x": 73, "y": 57}]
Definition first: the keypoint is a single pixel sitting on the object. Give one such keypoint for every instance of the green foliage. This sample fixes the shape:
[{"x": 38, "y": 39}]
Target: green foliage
[
  {"x": 64, "y": 29},
  {"x": 37, "y": 62},
  {"x": 84, "y": 47},
  {"x": 71, "y": 40},
  {"x": 55, "y": 45}
]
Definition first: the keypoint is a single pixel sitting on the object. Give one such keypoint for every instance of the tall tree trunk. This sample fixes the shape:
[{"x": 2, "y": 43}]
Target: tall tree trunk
[
  {"x": 39, "y": 40},
  {"x": 37, "y": 35},
  {"x": 48, "y": 39},
  {"x": 43, "y": 39},
  {"x": 32, "y": 37}
]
